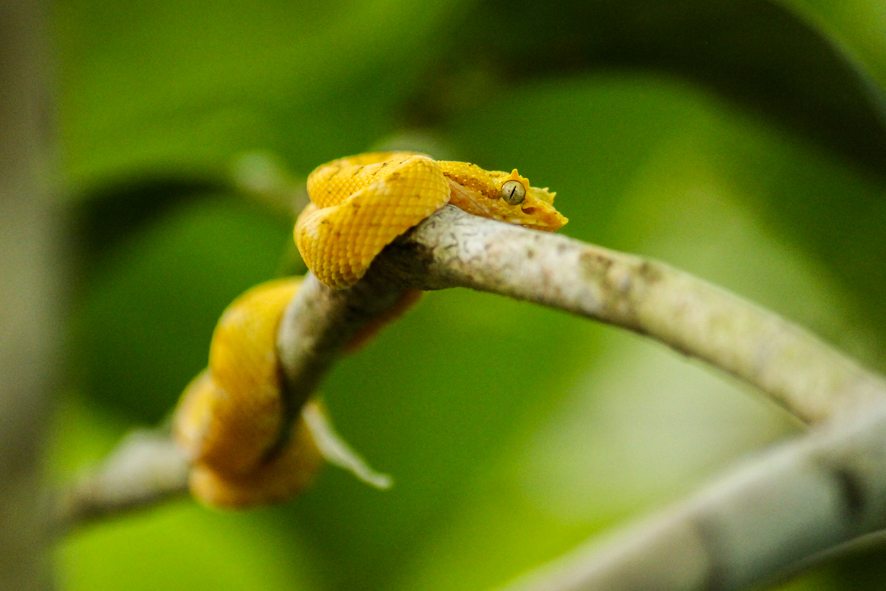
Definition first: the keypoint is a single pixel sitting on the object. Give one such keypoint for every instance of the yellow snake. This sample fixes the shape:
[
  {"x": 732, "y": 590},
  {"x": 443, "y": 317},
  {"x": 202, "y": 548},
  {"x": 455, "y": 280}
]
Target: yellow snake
[{"x": 230, "y": 417}]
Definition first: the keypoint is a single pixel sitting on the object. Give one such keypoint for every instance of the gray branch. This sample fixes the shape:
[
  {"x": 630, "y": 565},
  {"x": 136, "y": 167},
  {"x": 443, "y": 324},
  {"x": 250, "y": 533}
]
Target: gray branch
[
  {"x": 831, "y": 483},
  {"x": 146, "y": 467},
  {"x": 779, "y": 509},
  {"x": 319, "y": 322},
  {"x": 809, "y": 378}
]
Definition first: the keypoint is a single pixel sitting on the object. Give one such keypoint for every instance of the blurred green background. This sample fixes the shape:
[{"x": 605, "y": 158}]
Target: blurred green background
[{"x": 743, "y": 141}]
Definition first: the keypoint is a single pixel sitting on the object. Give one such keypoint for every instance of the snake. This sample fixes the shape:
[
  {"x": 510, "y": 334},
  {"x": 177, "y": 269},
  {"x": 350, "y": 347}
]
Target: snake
[{"x": 230, "y": 417}]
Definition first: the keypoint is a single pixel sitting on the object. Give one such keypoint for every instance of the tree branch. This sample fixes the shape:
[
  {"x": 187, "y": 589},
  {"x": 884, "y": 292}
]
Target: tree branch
[
  {"x": 792, "y": 502},
  {"x": 146, "y": 468},
  {"x": 809, "y": 378},
  {"x": 320, "y": 321},
  {"x": 706, "y": 537}
]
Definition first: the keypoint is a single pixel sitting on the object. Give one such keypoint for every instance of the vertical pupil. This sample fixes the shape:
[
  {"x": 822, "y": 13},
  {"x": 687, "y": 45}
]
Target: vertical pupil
[{"x": 509, "y": 192}]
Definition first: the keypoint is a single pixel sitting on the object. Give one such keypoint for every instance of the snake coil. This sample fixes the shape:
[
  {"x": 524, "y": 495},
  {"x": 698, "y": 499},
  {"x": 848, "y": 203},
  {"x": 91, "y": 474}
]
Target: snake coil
[{"x": 230, "y": 417}]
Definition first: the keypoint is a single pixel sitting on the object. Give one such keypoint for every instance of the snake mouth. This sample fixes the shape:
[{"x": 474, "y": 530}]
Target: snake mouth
[{"x": 541, "y": 217}]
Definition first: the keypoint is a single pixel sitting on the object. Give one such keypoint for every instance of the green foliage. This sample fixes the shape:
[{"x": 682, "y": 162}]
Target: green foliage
[{"x": 742, "y": 141}]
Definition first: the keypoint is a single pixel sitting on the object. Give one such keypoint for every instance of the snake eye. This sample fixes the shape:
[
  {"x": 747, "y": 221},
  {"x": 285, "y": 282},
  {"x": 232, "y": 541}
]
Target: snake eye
[{"x": 513, "y": 192}]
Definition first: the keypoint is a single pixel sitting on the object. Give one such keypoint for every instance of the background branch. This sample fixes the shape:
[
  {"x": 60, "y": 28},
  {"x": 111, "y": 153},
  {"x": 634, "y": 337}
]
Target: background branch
[{"x": 795, "y": 500}]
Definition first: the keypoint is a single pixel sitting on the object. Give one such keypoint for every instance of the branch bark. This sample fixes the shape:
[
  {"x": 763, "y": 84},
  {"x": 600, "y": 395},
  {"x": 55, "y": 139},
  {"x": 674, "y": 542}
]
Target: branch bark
[{"x": 838, "y": 472}]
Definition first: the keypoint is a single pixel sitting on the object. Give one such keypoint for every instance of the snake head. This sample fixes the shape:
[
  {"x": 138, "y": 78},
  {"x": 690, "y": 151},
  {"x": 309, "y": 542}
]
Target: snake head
[
  {"x": 529, "y": 206},
  {"x": 507, "y": 197}
]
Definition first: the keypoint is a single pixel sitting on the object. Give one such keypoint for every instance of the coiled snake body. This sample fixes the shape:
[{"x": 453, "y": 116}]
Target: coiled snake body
[{"x": 232, "y": 414}]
